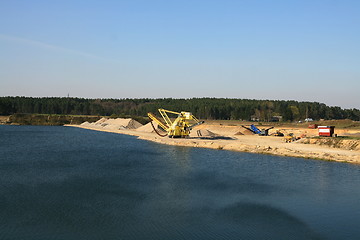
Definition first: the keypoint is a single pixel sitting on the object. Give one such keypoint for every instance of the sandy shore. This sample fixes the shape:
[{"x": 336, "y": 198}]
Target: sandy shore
[{"x": 248, "y": 143}]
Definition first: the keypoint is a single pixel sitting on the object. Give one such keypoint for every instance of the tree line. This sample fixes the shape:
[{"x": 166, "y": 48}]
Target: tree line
[{"x": 204, "y": 108}]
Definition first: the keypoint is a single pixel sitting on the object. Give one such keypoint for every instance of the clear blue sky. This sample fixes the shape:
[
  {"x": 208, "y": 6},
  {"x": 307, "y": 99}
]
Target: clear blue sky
[{"x": 258, "y": 49}]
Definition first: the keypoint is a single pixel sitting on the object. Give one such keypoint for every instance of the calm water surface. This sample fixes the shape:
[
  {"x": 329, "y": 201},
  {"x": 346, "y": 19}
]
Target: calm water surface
[{"x": 68, "y": 183}]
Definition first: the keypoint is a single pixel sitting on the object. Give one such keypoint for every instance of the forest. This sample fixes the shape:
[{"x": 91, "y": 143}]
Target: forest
[{"x": 203, "y": 108}]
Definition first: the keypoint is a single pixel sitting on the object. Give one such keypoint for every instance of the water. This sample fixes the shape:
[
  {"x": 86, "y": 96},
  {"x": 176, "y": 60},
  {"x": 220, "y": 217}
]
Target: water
[{"x": 69, "y": 183}]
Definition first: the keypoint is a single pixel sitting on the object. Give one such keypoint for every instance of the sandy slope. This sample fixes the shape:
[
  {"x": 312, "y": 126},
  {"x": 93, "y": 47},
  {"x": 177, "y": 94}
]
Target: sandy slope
[{"x": 247, "y": 143}]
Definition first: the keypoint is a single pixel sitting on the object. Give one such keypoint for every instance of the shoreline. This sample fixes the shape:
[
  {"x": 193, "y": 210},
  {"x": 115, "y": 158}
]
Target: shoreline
[{"x": 253, "y": 144}]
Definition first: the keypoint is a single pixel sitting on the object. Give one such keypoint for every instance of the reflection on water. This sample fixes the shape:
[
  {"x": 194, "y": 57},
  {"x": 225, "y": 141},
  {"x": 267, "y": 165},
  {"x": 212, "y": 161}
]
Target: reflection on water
[{"x": 68, "y": 183}]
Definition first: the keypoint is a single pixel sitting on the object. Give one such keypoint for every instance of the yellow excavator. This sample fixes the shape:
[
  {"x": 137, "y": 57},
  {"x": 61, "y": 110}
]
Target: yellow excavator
[{"x": 180, "y": 127}]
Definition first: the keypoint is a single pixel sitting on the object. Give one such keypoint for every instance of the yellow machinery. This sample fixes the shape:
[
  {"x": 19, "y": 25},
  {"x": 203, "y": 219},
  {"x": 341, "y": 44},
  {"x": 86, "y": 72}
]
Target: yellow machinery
[
  {"x": 180, "y": 127},
  {"x": 289, "y": 138}
]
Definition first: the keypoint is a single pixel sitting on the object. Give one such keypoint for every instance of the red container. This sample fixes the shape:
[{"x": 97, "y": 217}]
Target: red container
[{"x": 326, "y": 131}]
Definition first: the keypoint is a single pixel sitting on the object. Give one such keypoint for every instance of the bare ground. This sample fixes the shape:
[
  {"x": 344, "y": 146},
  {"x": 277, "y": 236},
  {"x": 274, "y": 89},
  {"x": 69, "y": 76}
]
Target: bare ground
[{"x": 228, "y": 138}]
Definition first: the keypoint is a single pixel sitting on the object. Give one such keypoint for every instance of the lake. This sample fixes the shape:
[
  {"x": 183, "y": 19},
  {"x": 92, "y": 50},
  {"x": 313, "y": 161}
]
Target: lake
[{"x": 70, "y": 183}]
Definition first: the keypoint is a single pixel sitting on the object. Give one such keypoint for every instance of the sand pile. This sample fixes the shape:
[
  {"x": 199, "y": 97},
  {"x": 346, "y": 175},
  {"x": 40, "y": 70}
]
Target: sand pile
[
  {"x": 86, "y": 124},
  {"x": 100, "y": 121},
  {"x": 122, "y": 123},
  {"x": 96, "y": 124},
  {"x": 113, "y": 124},
  {"x": 244, "y": 132},
  {"x": 148, "y": 128}
]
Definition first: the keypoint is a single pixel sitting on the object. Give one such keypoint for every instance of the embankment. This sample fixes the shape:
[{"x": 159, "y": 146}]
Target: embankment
[
  {"x": 48, "y": 119},
  {"x": 338, "y": 142}
]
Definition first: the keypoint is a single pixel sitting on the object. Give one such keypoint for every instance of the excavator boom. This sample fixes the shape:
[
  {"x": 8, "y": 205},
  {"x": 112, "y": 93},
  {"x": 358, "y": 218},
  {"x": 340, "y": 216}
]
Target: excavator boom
[{"x": 158, "y": 121}]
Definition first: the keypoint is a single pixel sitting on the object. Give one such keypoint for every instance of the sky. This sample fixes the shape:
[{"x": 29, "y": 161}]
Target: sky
[{"x": 306, "y": 50}]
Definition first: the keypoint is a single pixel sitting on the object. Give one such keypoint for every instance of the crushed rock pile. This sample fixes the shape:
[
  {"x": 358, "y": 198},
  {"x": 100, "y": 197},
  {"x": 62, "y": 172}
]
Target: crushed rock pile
[{"x": 114, "y": 124}]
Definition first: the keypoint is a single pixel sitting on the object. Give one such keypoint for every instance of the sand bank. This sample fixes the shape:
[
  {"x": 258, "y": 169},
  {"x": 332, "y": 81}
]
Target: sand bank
[{"x": 223, "y": 138}]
